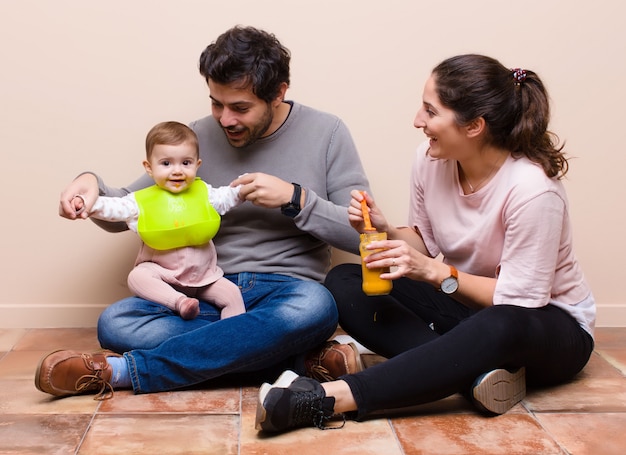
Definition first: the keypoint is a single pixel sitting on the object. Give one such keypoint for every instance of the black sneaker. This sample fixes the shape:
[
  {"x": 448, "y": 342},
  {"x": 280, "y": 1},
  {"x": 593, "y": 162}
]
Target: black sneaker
[
  {"x": 499, "y": 390},
  {"x": 293, "y": 401}
]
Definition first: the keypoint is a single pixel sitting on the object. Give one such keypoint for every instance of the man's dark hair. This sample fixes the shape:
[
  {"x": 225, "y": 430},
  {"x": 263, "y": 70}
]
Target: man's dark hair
[{"x": 249, "y": 56}]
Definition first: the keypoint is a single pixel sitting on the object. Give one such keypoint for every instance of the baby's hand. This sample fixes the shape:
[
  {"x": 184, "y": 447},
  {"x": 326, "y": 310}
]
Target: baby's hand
[{"x": 78, "y": 204}]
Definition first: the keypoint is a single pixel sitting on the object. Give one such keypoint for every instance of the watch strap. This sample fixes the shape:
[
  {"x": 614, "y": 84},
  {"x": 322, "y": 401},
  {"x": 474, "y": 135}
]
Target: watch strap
[
  {"x": 450, "y": 284},
  {"x": 293, "y": 207}
]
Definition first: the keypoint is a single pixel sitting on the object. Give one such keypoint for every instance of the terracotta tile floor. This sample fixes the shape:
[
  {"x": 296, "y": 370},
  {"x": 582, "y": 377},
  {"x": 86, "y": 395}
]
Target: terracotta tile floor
[{"x": 587, "y": 416}]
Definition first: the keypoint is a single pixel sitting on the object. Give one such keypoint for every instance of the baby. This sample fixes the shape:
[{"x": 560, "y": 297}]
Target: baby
[{"x": 176, "y": 220}]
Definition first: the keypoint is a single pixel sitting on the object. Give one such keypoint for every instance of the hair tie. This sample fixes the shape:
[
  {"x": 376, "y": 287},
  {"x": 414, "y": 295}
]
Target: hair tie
[{"x": 519, "y": 75}]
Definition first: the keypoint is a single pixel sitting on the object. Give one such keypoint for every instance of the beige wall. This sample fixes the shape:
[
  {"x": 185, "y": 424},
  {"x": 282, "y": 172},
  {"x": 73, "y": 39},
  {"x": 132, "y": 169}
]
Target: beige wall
[{"x": 81, "y": 83}]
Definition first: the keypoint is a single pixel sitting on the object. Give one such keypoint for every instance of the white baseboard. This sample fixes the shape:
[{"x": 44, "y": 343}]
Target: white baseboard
[
  {"x": 611, "y": 315},
  {"x": 49, "y": 316},
  {"x": 54, "y": 316}
]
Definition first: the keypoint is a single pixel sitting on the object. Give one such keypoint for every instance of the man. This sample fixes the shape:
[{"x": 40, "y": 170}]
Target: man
[{"x": 297, "y": 167}]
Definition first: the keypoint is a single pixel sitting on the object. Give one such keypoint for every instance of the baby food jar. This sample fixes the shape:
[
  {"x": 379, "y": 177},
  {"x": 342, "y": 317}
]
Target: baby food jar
[{"x": 372, "y": 283}]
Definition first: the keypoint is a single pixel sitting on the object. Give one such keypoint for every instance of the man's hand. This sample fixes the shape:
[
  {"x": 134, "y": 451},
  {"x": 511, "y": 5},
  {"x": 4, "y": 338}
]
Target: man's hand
[
  {"x": 264, "y": 190},
  {"x": 79, "y": 197}
]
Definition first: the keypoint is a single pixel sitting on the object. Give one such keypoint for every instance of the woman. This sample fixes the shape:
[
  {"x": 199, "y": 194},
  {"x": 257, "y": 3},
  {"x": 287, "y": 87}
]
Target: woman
[{"x": 507, "y": 305}]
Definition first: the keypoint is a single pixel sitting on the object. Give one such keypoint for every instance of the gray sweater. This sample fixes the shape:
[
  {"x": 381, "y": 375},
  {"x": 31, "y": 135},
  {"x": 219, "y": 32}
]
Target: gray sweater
[{"x": 312, "y": 148}]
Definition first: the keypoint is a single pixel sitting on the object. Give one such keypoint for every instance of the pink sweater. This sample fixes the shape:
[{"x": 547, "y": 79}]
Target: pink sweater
[{"x": 515, "y": 228}]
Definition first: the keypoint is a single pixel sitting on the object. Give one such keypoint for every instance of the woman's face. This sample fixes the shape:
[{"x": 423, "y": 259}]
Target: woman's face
[{"x": 447, "y": 138}]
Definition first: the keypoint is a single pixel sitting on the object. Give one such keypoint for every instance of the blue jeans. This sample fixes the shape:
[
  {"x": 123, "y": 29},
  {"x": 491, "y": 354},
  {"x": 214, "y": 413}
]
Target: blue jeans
[{"x": 285, "y": 317}]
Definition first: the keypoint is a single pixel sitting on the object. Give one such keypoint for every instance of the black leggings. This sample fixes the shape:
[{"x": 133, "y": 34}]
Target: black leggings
[{"x": 437, "y": 347}]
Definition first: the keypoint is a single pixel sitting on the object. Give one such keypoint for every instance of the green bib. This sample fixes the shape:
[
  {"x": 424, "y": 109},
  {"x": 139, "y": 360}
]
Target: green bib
[{"x": 174, "y": 220}]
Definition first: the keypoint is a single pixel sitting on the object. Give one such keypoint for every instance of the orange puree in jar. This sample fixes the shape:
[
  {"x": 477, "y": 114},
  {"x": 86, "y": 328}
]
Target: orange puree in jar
[{"x": 372, "y": 283}]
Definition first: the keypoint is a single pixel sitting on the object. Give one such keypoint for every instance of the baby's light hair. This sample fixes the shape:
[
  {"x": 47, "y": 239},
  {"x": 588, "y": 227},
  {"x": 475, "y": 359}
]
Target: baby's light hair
[{"x": 170, "y": 133}]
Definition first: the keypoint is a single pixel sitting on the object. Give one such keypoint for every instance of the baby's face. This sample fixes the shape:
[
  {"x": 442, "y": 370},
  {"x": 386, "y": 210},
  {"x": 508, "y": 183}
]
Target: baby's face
[{"x": 173, "y": 167}]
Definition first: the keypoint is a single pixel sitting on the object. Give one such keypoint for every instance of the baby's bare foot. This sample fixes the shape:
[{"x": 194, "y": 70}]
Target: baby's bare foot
[{"x": 187, "y": 307}]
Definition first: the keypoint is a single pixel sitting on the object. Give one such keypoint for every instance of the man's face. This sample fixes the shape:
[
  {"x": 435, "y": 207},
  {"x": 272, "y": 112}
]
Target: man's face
[{"x": 242, "y": 115}]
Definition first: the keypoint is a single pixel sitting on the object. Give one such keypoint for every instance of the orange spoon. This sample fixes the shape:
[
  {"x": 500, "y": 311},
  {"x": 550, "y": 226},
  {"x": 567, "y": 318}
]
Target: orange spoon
[{"x": 366, "y": 215}]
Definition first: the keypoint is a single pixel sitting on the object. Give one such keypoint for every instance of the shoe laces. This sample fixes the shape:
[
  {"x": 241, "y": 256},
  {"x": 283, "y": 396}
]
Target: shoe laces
[
  {"x": 320, "y": 373},
  {"x": 88, "y": 382},
  {"x": 317, "y": 370},
  {"x": 309, "y": 407}
]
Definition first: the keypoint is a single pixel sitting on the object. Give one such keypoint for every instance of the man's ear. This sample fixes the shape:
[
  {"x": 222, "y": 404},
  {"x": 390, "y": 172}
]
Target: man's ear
[
  {"x": 282, "y": 90},
  {"x": 476, "y": 127}
]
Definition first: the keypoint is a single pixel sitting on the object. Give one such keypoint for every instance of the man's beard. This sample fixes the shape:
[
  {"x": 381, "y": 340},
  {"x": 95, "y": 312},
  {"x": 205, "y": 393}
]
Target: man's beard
[{"x": 250, "y": 136}]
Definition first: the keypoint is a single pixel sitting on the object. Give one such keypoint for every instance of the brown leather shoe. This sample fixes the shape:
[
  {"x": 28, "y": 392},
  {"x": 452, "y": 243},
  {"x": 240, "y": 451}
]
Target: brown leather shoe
[
  {"x": 66, "y": 373},
  {"x": 332, "y": 360}
]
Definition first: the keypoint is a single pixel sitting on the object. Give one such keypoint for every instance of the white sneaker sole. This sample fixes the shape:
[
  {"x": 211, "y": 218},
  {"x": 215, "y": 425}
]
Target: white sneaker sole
[
  {"x": 500, "y": 390},
  {"x": 283, "y": 381},
  {"x": 347, "y": 339}
]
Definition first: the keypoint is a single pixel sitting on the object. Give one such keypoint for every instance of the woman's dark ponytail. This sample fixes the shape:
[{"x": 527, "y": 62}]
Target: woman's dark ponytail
[{"x": 513, "y": 102}]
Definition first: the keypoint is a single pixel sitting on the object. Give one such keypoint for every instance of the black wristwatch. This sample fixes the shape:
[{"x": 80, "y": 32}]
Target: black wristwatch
[{"x": 293, "y": 207}]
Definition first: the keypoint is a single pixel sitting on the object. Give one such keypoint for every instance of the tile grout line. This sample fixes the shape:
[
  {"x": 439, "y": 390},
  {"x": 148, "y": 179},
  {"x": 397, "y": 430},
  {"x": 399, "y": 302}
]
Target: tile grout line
[
  {"x": 395, "y": 435},
  {"x": 82, "y": 439}
]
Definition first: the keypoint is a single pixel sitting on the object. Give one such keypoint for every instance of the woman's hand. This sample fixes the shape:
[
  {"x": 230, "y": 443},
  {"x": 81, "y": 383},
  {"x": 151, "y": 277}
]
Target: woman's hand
[
  {"x": 79, "y": 197},
  {"x": 403, "y": 261},
  {"x": 355, "y": 213}
]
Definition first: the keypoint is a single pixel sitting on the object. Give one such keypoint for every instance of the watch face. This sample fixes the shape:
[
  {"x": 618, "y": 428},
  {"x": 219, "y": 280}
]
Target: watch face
[
  {"x": 289, "y": 210},
  {"x": 449, "y": 285}
]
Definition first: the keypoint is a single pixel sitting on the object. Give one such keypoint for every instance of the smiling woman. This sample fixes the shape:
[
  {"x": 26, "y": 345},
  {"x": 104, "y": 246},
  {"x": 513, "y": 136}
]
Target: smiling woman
[
  {"x": 508, "y": 304},
  {"x": 447, "y": 135}
]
